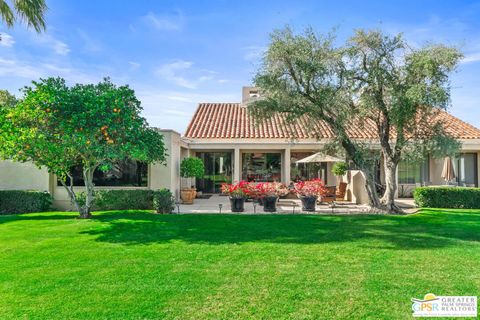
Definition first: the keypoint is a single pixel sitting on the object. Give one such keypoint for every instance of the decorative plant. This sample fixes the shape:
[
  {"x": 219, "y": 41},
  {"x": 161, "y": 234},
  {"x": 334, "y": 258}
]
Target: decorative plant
[
  {"x": 339, "y": 168},
  {"x": 57, "y": 127},
  {"x": 163, "y": 201},
  {"x": 271, "y": 189},
  {"x": 241, "y": 189},
  {"x": 310, "y": 188},
  {"x": 192, "y": 167}
]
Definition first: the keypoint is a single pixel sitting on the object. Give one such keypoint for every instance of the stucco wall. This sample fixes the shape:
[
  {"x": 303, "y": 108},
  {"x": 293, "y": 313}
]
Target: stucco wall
[
  {"x": 168, "y": 176},
  {"x": 22, "y": 176}
]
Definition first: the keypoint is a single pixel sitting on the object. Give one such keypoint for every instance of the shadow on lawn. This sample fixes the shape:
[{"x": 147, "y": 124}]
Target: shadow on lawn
[{"x": 422, "y": 231}]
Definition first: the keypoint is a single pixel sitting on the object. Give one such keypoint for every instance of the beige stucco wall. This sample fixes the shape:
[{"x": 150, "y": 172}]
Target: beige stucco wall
[
  {"x": 168, "y": 176},
  {"x": 22, "y": 176}
]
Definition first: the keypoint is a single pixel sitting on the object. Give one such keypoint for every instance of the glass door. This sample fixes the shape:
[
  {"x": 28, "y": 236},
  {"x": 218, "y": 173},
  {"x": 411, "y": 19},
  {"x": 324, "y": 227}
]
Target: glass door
[{"x": 218, "y": 170}]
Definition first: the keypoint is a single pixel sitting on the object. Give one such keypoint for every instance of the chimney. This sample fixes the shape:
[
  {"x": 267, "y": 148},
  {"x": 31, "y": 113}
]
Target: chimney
[{"x": 249, "y": 94}]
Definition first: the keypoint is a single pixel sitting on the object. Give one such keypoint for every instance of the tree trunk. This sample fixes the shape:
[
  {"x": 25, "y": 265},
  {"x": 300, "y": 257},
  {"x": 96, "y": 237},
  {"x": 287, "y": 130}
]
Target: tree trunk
[
  {"x": 71, "y": 194},
  {"x": 388, "y": 199},
  {"x": 88, "y": 178},
  {"x": 373, "y": 198}
]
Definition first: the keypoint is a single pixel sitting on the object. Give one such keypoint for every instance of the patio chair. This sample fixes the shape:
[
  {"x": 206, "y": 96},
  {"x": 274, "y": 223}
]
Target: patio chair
[
  {"x": 330, "y": 194},
  {"x": 341, "y": 190}
]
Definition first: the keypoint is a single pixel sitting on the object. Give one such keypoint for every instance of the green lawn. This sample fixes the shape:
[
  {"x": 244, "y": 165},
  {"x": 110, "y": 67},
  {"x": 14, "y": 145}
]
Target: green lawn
[{"x": 136, "y": 265}]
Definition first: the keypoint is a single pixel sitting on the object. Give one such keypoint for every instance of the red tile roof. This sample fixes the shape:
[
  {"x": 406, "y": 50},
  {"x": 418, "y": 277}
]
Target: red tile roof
[{"x": 233, "y": 121}]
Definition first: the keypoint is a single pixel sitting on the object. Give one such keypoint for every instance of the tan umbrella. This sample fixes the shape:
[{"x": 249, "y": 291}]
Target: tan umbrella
[
  {"x": 319, "y": 157},
  {"x": 448, "y": 172}
]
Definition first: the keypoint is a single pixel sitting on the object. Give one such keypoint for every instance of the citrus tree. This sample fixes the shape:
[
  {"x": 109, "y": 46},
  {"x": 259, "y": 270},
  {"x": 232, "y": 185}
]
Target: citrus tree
[{"x": 58, "y": 127}]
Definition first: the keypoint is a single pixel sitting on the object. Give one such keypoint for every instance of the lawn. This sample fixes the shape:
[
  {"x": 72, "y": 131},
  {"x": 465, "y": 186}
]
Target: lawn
[{"x": 136, "y": 265}]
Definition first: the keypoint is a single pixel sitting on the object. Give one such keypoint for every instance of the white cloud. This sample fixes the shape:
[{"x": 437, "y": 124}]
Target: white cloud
[
  {"x": 134, "y": 65},
  {"x": 90, "y": 44},
  {"x": 32, "y": 70},
  {"x": 14, "y": 68},
  {"x": 163, "y": 22},
  {"x": 473, "y": 57},
  {"x": 6, "y": 40},
  {"x": 180, "y": 73},
  {"x": 59, "y": 47},
  {"x": 174, "y": 109}
]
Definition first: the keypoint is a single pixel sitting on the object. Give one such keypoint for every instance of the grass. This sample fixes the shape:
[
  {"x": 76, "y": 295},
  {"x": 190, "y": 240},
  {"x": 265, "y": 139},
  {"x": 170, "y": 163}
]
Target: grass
[{"x": 136, "y": 265}]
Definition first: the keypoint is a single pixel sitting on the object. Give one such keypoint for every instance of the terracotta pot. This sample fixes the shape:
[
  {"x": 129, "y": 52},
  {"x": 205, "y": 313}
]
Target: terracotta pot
[{"x": 187, "y": 195}]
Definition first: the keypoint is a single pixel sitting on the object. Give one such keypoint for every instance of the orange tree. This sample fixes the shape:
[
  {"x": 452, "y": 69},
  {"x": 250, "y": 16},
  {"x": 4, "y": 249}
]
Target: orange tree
[{"x": 57, "y": 127}]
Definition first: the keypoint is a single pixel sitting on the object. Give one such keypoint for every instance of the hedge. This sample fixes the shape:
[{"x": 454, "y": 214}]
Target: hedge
[
  {"x": 447, "y": 197},
  {"x": 21, "y": 201},
  {"x": 121, "y": 199}
]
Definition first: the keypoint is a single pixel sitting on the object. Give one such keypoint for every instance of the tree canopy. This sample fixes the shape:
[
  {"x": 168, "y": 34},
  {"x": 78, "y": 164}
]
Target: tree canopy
[
  {"x": 372, "y": 77},
  {"x": 57, "y": 127}
]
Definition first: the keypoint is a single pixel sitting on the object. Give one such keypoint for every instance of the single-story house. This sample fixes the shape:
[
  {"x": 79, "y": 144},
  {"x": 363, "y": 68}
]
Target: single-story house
[{"x": 235, "y": 148}]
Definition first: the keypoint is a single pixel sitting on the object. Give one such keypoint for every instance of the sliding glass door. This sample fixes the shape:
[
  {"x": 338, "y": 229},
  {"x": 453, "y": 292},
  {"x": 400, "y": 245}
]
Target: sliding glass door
[
  {"x": 218, "y": 170},
  {"x": 465, "y": 166}
]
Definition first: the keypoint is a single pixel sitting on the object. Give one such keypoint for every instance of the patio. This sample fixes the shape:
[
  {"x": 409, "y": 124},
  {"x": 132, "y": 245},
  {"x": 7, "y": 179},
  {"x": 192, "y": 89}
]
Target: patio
[{"x": 285, "y": 206}]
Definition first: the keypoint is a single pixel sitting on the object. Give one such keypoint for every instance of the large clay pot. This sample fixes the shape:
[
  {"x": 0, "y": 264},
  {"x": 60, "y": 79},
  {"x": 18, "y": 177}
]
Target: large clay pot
[
  {"x": 270, "y": 203},
  {"x": 187, "y": 195},
  {"x": 308, "y": 203},
  {"x": 237, "y": 204}
]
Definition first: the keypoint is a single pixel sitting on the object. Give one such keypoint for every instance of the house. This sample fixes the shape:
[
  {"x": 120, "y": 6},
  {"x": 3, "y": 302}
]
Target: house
[{"x": 234, "y": 147}]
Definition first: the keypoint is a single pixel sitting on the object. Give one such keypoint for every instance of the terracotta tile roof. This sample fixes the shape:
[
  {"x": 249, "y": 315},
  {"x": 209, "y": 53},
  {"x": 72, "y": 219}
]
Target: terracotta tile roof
[{"x": 233, "y": 121}]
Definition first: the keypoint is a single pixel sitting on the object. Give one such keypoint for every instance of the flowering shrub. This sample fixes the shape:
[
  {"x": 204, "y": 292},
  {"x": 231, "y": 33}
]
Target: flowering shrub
[
  {"x": 241, "y": 189},
  {"x": 310, "y": 188},
  {"x": 271, "y": 189}
]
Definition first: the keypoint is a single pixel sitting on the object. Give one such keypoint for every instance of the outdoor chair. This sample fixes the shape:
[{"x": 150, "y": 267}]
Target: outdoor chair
[
  {"x": 329, "y": 195},
  {"x": 341, "y": 190}
]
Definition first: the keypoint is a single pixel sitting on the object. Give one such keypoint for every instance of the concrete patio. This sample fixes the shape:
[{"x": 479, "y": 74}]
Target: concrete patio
[{"x": 220, "y": 204}]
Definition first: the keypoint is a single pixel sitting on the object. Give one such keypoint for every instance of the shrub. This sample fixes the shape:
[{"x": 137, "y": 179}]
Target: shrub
[
  {"x": 120, "y": 199},
  {"x": 20, "y": 201},
  {"x": 447, "y": 197},
  {"x": 163, "y": 201},
  {"x": 192, "y": 167},
  {"x": 339, "y": 168}
]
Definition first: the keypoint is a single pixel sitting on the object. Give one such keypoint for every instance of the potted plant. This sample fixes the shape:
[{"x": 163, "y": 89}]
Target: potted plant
[
  {"x": 269, "y": 192},
  {"x": 237, "y": 193},
  {"x": 190, "y": 167},
  {"x": 339, "y": 169},
  {"x": 308, "y": 192}
]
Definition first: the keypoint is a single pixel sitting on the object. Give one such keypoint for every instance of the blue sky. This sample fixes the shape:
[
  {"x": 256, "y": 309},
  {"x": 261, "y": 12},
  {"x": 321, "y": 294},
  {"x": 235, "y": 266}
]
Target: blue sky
[{"x": 175, "y": 54}]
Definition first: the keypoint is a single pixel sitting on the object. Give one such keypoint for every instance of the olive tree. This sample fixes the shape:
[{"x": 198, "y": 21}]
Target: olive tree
[
  {"x": 373, "y": 79},
  {"x": 402, "y": 91},
  {"x": 305, "y": 76},
  {"x": 58, "y": 127}
]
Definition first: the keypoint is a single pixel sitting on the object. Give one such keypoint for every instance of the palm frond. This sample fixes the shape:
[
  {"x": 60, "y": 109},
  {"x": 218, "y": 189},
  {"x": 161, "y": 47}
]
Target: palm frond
[
  {"x": 6, "y": 14},
  {"x": 32, "y": 12}
]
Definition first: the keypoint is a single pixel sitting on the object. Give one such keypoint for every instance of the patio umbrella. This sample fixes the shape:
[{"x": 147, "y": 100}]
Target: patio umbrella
[
  {"x": 319, "y": 157},
  {"x": 448, "y": 172}
]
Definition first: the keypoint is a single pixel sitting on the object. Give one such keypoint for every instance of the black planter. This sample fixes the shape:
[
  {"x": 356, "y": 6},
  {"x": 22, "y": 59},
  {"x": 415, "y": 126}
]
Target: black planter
[
  {"x": 308, "y": 203},
  {"x": 237, "y": 204},
  {"x": 260, "y": 201},
  {"x": 270, "y": 203}
]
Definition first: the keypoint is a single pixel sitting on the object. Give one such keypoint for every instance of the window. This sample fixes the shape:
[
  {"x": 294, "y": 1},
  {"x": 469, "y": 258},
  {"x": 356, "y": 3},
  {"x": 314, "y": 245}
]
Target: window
[
  {"x": 465, "y": 167},
  {"x": 261, "y": 166},
  {"x": 127, "y": 173},
  {"x": 412, "y": 172},
  {"x": 218, "y": 170}
]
